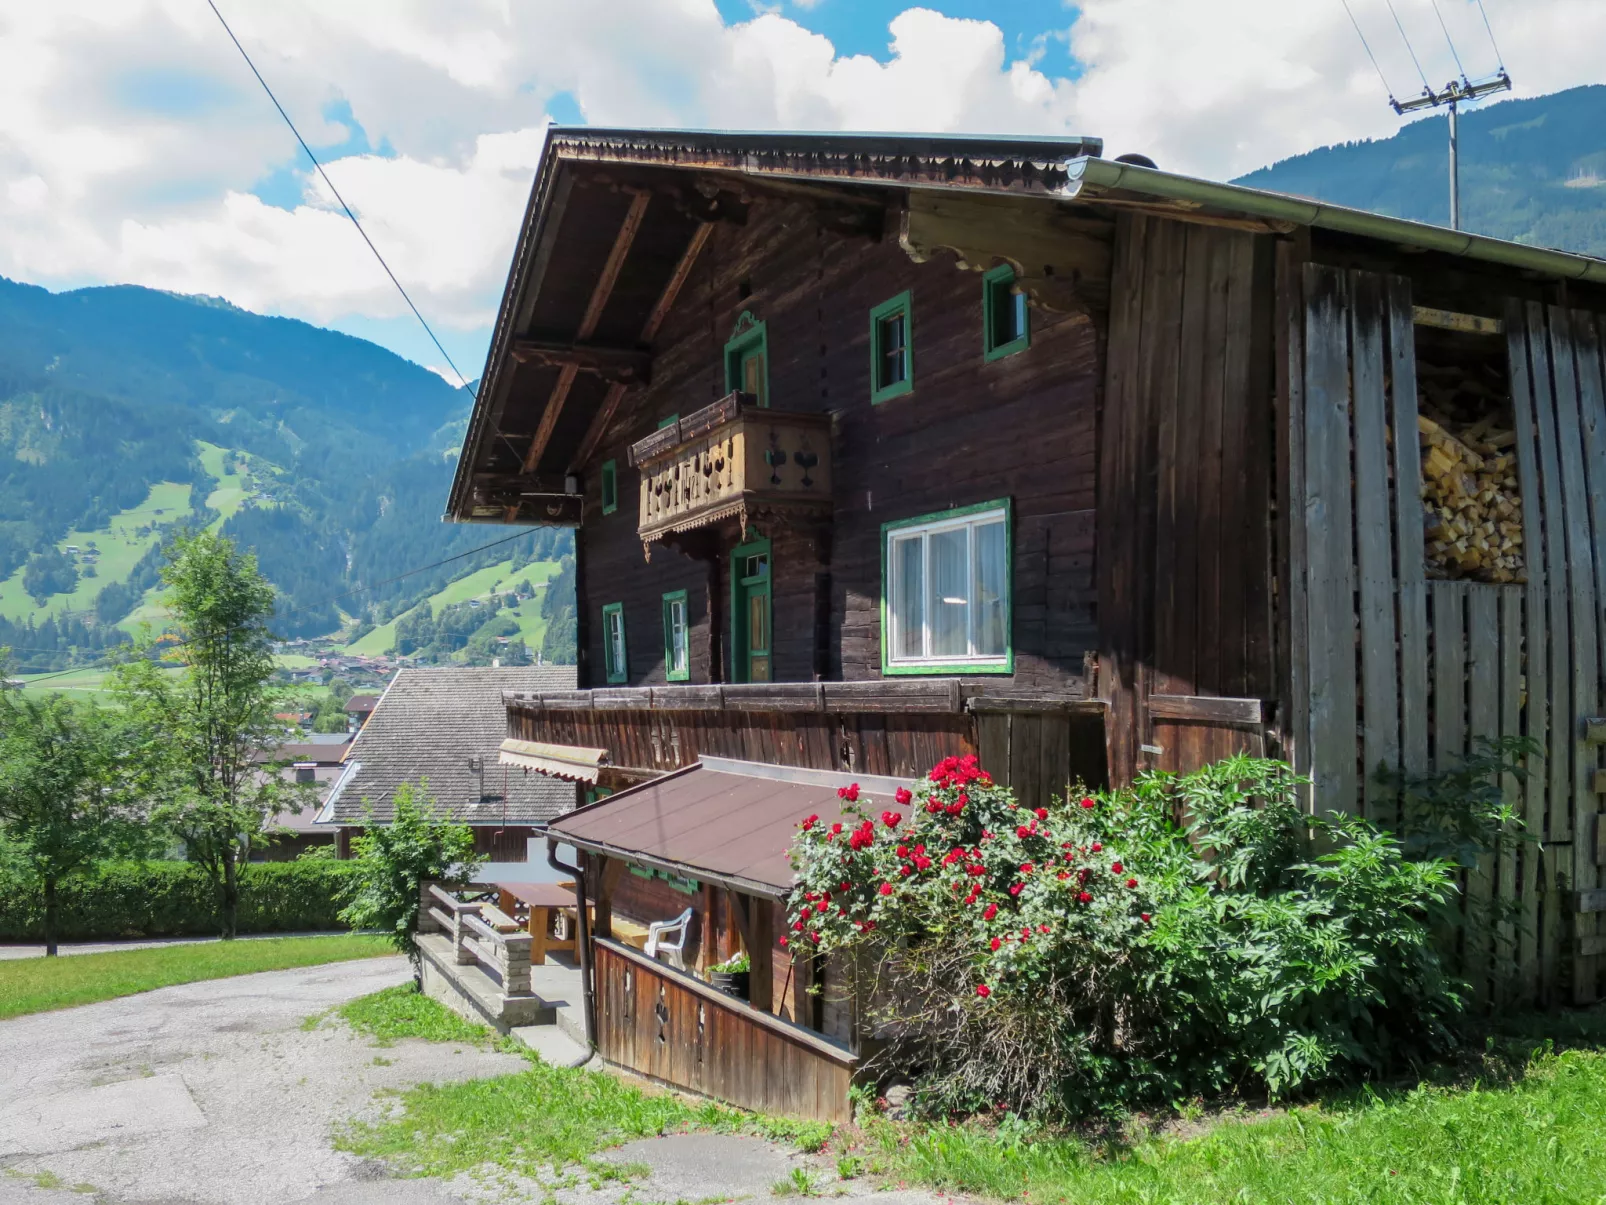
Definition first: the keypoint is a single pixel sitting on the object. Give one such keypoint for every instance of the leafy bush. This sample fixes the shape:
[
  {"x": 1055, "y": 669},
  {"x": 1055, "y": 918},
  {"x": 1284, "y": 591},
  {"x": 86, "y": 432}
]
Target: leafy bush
[
  {"x": 1184, "y": 936},
  {"x": 174, "y": 899},
  {"x": 394, "y": 860}
]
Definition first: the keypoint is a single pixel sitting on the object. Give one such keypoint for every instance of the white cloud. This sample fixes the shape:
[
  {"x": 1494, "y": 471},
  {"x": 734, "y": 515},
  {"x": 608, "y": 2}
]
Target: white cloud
[{"x": 132, "y": 136}]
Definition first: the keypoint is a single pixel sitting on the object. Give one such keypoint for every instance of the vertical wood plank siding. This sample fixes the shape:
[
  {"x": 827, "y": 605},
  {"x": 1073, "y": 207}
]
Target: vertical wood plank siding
[
  {"x": 1405, "y": 673},
  {"x": 670, "y": 1028},
  {"x": 1184, "y": 514}
]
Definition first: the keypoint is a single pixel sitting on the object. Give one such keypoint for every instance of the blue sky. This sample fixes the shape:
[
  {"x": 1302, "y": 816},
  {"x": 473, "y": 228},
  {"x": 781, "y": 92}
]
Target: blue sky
[{"x": 135, "y": 147}]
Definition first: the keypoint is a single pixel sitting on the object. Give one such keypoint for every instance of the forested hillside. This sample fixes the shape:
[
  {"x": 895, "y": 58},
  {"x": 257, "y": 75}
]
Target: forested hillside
[
  {"x": 1531, "y": 170},
  {"x": 126, "y": 413}
]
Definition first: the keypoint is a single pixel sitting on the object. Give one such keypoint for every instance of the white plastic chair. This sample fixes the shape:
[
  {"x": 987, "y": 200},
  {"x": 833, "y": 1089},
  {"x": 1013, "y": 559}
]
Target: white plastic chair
[{"x": 669, "y": 937}]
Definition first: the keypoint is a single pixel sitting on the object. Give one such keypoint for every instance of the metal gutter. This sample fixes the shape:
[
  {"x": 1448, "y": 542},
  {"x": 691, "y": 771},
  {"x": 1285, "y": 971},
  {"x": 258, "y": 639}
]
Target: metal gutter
[{"x": 1089, "y": 179}]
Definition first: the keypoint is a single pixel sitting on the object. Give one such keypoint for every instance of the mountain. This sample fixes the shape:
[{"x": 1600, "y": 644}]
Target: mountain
[
  {"x": 126, "y": 413},
  {"x": 1531, "y": 170}
]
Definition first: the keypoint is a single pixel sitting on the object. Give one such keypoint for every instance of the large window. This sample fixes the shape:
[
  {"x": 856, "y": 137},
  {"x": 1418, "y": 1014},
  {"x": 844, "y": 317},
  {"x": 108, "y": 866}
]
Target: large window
[
  {"x": 613, "y": 643},
  {"x": 677, "y": 638},
  {"x": 947, "y": 583},
  {"x": 1006, "y": 320},
  {"x": 892, "y": 371}
]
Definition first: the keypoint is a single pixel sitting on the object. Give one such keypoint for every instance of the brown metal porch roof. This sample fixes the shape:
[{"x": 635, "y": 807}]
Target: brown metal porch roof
[{"x": 719, "y": 820}]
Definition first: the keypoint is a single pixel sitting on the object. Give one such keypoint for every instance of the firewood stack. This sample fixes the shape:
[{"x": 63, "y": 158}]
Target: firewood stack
[{"x": 1469, "y": 478}]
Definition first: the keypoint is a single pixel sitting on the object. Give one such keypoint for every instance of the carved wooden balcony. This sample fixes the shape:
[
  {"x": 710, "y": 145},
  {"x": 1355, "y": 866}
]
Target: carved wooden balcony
[{"x": 733, "y": 459}]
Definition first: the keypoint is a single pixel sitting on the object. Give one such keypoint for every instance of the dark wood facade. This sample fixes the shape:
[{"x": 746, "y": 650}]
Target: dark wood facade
[{"x": 1216, "y": 542}]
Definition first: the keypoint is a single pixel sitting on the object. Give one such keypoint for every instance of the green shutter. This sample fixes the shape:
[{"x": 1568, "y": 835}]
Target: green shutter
[
  {"x": 882, "y": 387},
  {"x": 997, "y": 300},
  {"x": 610, "y": 486}
]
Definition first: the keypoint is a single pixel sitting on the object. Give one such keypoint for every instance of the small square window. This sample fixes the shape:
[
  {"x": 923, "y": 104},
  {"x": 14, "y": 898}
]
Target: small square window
[
  {"x": 610, "y": 486},
  {"x": 677, "y": 638},
  {"x": 947, "y": 588},
  {"x": 615, "y": 663},
  {"x": 1006, "y": 319},
  {"x": 891, "y": 353}
]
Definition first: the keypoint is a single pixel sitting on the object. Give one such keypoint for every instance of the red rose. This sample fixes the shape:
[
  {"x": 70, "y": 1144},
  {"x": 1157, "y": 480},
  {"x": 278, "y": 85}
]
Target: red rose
[
  {"x": 1015, "y": 888},
  {"x": 808, "y": 822},
  {"x": 922, "y": 863},
  {"x": 836, "y": 828},
  {"x": 1087, "y": 803},
  {"x": 1023, "y": 831},
  {"x": 1026, "y": 933},
  {"x": 797, "y": 926},
  {"x": 805, "y": 912},
  {"x": 996, "y": 943},
  {"x": 1096, "y": 847},
  {"x": 847, "y": 886},
  {"x": 903, "y": 795},
  {"x": 1064, "y": 874},
  {"x": 850, "y": 793},
  {"x": 815, "y": 937},
  {"x": 903, "y": 851},
  {"x": 906, "y": 870},
  {"x": 783, "y": 941},
  {"x": 886, "y": 889},
  {"x": 991, "y": 911},
  {"x": 1131, "y": 882},
  {"x": 1116, "y": 868},
  {"x": 1042, "y": 928},
  {"x": 1145, "y": 916},
  {"x": 1026, "y": 868},
  {"x": 1042, "y": 813},
  {"x": 954, "y": 809},
  {"x": 890, "y": 819},
  {"x": 1085, "y": 897},
  {"x": 983, "y": 990}
]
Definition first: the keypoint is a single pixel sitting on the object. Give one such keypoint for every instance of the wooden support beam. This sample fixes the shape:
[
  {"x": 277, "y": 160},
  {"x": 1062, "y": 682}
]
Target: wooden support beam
[
  {"x": 649, "y": 331},
  {"x": 600, "y": 293},
  {"x": 607, "y": 880},
  {"x": 1205, "y": 709},
  {"x": 620, "y": 365},
  {"x": 760, "y": 936}
]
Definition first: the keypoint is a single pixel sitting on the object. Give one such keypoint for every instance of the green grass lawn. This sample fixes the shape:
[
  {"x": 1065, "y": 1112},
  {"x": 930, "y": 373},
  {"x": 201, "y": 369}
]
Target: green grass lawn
[
  {"x": 1529, "y": 1130},
  {"x": 34, "y": 985}
]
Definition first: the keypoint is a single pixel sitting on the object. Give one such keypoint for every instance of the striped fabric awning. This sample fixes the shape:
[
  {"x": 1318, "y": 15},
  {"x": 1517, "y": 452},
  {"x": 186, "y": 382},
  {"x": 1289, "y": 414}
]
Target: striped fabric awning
[{"x": 575, "y": 763}]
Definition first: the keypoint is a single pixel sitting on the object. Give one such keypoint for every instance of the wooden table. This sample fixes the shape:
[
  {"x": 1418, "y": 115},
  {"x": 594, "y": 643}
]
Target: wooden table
[{"x": 542, "y": 899}]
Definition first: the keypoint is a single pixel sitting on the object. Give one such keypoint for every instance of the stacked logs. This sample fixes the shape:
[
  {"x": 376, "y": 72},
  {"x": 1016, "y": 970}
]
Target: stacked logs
[{"x": 1470, "y": 497}]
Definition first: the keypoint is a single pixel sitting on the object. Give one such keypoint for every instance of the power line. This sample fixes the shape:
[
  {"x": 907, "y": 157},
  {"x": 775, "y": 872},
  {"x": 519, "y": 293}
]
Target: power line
[
  {"x": 1462, "y": 71},
  {"x": 1367, "y": 46},
  {"x": 1409, "y": 49},
  {"x": 421, "y": 321},
  {"x": 1493, "y": 45}
]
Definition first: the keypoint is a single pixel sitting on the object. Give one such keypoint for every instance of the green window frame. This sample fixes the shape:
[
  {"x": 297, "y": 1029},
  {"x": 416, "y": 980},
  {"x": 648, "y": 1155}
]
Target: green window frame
[
  {"x": 610, "y": 486},
  {"x": 914, "y": 588},
  {"x": 677, "y": 637},
  {"x": 748, "y": 337},
  {"x": 615, "y": 654},
  {"x": 1006, "y": 319},
  {"x": 892, "y": 360},
  {"x": 669, "y": 420}
]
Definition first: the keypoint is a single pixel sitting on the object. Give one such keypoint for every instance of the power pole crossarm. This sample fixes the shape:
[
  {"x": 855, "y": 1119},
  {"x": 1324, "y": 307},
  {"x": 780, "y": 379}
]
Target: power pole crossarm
[{"x": 1453, "y": 95}]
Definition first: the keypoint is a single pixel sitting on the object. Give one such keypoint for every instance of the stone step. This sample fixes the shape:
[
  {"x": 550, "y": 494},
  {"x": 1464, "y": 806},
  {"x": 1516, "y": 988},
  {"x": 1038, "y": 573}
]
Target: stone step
[{"x": 553, "y": 1044}]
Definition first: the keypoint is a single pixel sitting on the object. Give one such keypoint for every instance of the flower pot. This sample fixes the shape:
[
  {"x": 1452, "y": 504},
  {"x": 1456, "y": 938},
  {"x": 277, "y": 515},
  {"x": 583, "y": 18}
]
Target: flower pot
[{"x": 732, "y": 983}]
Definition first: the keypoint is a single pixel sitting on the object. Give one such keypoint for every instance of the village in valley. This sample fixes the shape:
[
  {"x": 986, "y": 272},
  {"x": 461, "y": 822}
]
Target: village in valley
[{"x": 1025, "y": 659}]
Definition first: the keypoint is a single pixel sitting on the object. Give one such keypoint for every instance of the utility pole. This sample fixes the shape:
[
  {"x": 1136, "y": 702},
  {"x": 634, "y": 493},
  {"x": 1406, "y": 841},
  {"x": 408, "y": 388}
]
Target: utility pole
[{"x": 1452, "y": 95}]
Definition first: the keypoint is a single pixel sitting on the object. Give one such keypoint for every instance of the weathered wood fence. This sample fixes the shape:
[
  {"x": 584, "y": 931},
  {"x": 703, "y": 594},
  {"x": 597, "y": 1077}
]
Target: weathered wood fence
[
  {"x": 667, "y": 1025},
  {"x": 1395, "y": 671}
]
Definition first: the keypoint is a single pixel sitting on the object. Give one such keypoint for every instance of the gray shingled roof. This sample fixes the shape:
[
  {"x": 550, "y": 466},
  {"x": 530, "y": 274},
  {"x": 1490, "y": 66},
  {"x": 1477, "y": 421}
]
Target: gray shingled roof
[{"x": 428, "y": 724}]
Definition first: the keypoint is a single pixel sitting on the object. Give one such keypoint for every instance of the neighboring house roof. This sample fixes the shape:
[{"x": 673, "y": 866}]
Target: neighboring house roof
[
  {"x": 326, "y": 753},
  {"x": 731, "y": 822},
  {"x": 361, "y": 703},
  {"x": 429, "y": 725}
]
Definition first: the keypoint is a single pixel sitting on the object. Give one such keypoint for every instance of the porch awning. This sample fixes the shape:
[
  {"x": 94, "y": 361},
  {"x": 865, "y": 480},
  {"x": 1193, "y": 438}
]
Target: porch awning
[
  {"x": 575, "y": 763},
  {"x": 721, "y": 821}
]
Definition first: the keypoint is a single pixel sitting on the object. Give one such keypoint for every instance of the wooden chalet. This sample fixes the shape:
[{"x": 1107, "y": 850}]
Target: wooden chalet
[{"x": 884, "y": 448}]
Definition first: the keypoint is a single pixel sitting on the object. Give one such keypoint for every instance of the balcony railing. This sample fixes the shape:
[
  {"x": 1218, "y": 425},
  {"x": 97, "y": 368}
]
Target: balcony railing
[{"x": 733, "y": 459}]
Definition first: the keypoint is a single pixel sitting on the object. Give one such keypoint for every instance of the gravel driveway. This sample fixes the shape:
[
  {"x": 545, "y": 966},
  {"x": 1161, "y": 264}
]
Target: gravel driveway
[{"x": 209, "y": 1092}]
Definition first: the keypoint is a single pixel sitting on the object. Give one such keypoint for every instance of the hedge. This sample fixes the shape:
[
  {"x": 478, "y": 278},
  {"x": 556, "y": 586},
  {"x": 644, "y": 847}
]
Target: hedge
[{"x": 173, "y": 899}]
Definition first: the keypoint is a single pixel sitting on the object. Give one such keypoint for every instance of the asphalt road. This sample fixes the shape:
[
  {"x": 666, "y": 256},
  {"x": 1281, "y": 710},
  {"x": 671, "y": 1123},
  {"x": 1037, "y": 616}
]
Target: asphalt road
[{"x": 213, "y": 1094}]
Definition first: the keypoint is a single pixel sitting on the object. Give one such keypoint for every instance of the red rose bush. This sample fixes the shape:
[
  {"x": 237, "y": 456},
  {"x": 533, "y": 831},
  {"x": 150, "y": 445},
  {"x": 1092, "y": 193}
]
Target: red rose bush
[{"x": 1098, "y": 954}]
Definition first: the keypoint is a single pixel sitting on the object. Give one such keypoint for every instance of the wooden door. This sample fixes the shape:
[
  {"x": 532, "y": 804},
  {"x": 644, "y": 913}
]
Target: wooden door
[{"x": 751, "y": 613}]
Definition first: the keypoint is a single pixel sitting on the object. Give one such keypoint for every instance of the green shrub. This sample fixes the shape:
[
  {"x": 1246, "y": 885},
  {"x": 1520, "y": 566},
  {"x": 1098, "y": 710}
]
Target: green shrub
[
  {"x": 173, "y": 899},
  {"x": 1182, "y": 937}
]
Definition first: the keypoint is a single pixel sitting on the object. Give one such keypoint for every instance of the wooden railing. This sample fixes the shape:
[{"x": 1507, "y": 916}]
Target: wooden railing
[
  {"x": 672, "y": 1027},
  {"x": 480, "y": 932},
  {"x": 731, "y": 459}
]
